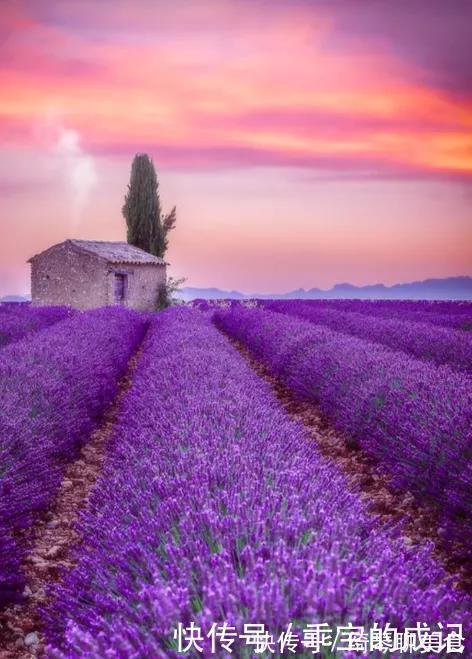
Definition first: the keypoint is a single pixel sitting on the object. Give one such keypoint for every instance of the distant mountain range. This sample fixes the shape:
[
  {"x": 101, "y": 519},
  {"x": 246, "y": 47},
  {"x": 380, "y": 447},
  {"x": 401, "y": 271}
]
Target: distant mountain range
[
  {"x": 451, "y": 288},
  {"x": 15, "y": 298}
]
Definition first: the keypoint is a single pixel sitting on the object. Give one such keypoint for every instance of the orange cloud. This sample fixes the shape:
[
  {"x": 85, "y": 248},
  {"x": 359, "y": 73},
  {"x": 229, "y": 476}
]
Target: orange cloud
[{"x": 187, "y": 90}]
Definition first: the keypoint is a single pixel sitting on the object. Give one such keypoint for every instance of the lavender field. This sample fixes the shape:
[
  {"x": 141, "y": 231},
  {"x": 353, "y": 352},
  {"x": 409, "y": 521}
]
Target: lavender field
[
  {"x": 213, "y": 508},
  {"x": 419, "y": 338},
  {"x": 19, "y": 320}
]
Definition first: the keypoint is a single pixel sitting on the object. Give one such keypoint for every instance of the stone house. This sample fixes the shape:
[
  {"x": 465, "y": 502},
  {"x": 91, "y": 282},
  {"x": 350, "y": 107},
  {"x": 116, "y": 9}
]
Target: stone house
[{"x": 91, "y": 273}]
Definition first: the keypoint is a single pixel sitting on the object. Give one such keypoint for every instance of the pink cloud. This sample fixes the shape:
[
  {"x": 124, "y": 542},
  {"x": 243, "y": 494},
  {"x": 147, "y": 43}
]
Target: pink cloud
[
  {"x": 277, "y": 100},
  {"x": 215, "y": 88}
]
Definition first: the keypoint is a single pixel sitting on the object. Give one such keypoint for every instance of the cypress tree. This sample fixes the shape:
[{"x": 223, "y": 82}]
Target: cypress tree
[
  {"x": 159, "y": 239},
  {"x": 147, "y": 228}
]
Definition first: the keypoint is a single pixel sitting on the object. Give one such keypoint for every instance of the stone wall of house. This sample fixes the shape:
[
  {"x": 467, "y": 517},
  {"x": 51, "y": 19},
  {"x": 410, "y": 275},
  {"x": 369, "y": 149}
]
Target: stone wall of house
[
  {"x": 143, "y": 281},
  {"x": 66, "y": 276}
]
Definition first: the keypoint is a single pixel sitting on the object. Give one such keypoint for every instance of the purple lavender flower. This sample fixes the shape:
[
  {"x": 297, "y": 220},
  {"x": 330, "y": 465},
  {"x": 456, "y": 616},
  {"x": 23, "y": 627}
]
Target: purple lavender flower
[
  {"x": 423, "y": 340},
  {"x": 20, "y": 320},
  {"x": 54, "y": 388},
  {"x": 414, "y": 418},
  {"x": 214, "y": 506}
]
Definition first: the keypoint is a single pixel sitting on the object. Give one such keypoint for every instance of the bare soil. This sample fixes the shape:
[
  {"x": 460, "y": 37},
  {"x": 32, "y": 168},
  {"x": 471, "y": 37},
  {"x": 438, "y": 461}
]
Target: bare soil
[{"x": 54, "y": 537}]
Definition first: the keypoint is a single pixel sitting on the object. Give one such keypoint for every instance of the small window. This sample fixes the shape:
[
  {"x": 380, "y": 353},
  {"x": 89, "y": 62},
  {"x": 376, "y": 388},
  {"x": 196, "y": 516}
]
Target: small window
[{"x": 120, "y": 287}]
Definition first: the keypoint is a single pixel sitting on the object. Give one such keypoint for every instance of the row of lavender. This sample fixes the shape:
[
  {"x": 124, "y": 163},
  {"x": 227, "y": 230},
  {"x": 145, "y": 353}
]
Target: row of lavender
[
  {"x": 414, "y": 418},
  {"x": 456, "y": 315},
  {"x": 422, "y": 340},
  {"x": 452, "y": 315},
  {"x": 54, "y": 387},
  {"x": 19, "y": 320},
  {"x": 226, "y": 513}
]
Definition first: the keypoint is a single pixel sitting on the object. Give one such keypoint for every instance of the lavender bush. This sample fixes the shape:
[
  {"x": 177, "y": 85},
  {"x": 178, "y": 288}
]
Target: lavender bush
[
  {"x": 456, "y": 307},
  {"x": 411, "y": 416},
  {"x": 54, "y": 387},
  {"x": 455, "y": 315},
  {"x": 19, "y": 320},
  {"x": 422, "y": 340},
  {"x": 215, "y": 507}
]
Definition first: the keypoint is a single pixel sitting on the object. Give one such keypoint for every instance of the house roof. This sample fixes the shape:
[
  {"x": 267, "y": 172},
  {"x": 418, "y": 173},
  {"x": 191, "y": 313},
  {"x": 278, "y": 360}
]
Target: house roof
[{"x": 113, "y": 252}]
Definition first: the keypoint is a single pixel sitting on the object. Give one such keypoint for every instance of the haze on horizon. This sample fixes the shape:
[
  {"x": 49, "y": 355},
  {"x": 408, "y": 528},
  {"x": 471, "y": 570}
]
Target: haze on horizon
[{"x": 305, "y": 143}]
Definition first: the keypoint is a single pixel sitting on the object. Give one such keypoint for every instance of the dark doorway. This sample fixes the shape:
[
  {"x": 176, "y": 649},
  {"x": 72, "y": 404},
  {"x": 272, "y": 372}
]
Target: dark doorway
[{"x": 120, "y": 287}]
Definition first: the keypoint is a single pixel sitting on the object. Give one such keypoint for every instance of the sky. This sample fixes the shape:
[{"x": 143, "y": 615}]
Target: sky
[{"x": 304, "y": 142}]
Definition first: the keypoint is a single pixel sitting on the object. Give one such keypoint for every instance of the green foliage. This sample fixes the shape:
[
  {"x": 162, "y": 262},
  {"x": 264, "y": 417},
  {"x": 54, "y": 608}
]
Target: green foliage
[
  {"x": 162, "y": 301},
  {"x": 166, "y": 292},
  {"x": 167, "y": 224},
  {"x": 147, "y": 226}
]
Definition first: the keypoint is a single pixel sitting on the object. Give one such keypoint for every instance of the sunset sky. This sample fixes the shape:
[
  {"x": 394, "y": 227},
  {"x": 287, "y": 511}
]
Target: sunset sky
[{"x": 304, "y": 143}]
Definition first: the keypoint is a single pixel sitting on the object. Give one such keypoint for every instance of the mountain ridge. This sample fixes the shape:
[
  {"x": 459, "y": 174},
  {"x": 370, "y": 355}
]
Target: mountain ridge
[{"x": 448, "y": 288}]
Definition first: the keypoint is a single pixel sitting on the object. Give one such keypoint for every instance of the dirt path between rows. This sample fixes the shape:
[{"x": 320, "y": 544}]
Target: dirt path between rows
[
  {"x": 382, "y": 498},
  {"x": 54, "y": 538}
]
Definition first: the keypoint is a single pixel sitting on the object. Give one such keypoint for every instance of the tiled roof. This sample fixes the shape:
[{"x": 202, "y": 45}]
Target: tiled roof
[{"x": 116, "y": 252}]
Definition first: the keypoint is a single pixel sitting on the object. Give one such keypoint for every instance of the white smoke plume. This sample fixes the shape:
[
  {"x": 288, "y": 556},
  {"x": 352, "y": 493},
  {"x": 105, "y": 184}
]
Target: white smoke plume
[{"x": 79, "y": 171}]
